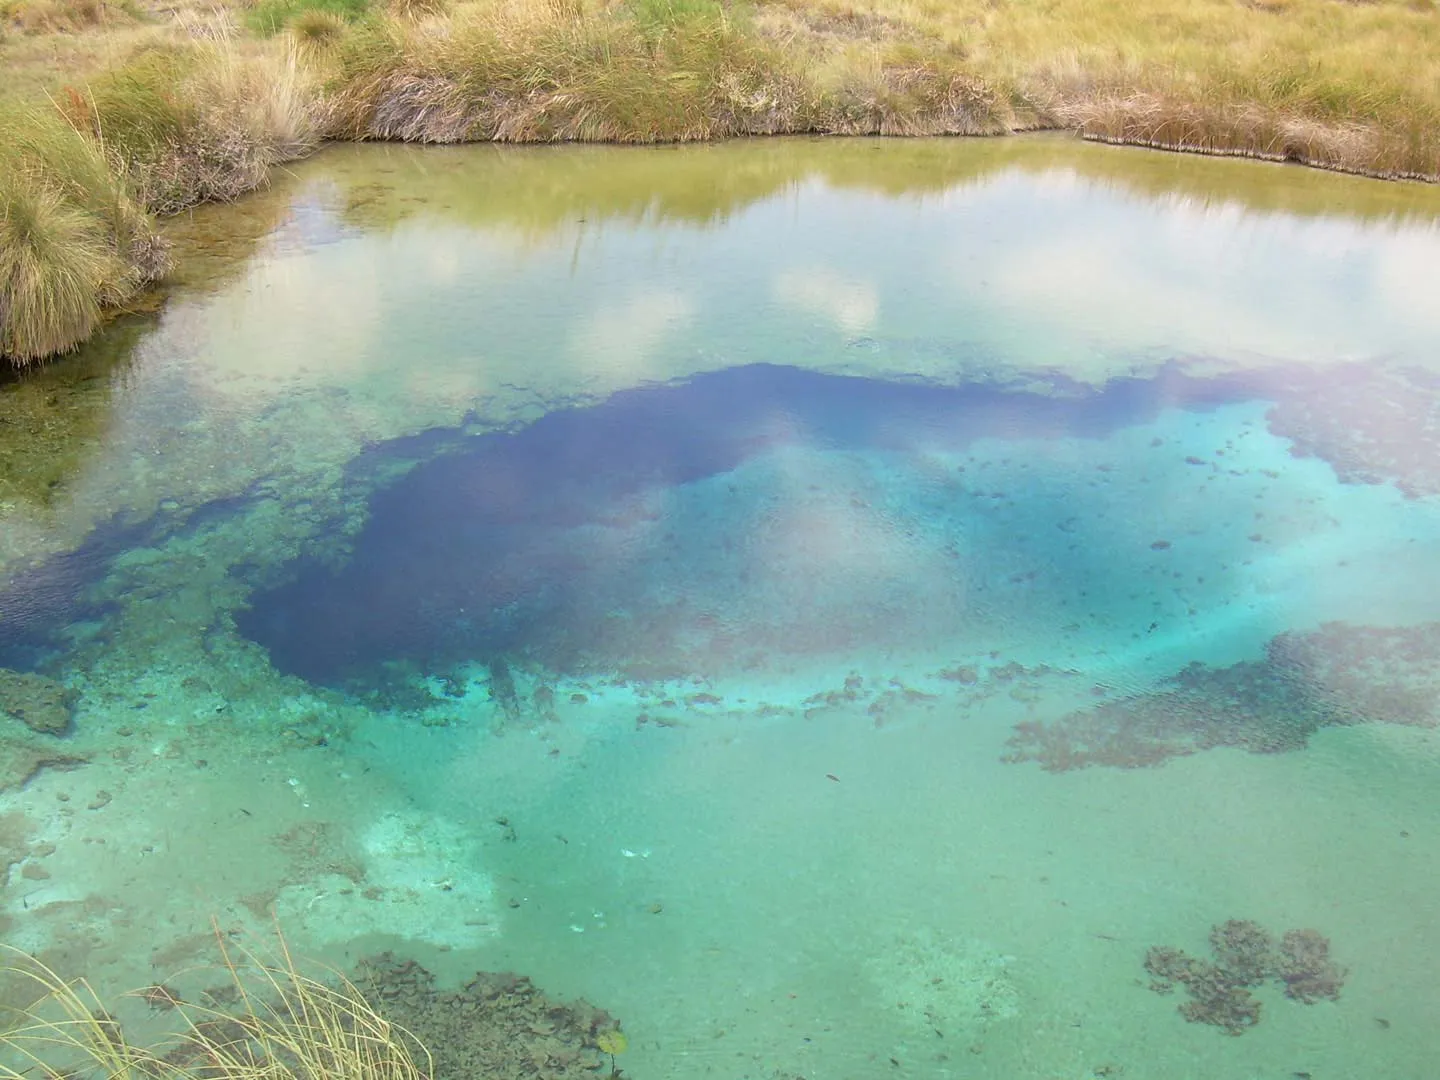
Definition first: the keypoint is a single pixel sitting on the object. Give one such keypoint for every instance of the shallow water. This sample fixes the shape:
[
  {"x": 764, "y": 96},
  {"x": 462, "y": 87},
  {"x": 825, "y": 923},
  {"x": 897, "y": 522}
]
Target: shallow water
[{"x": 833, "y": 604}]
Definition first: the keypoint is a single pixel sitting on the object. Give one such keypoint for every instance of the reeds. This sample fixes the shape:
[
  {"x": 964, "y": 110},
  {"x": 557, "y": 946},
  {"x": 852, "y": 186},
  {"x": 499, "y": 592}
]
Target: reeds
[{"x": 285, "y": 1025}]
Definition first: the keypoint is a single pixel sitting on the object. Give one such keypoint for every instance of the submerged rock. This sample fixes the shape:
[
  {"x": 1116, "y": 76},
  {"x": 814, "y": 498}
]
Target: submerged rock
[
  {"x": 43, "y": 705},
  {"x": 497, "y": 1025}
]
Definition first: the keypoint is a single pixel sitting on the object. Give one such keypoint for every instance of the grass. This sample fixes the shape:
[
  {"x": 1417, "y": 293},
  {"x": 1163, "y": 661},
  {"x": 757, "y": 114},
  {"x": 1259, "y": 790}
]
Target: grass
[
  {"x": 197, "y": 123},
  {"x": 650, "y": 71},
  {"x": 180, "y": 113},
  {"x": 72, "y": 240},
  {"x": 285, "y": 1025},
  {"x": 269, "y": 17}
]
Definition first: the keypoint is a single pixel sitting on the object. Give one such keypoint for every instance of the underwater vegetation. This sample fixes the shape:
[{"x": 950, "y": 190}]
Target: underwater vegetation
[
  {"x": 41, "y": 704},
  {"x": 1337, "y": 675},
  {"x": 1371, "y": 423},
  {"x": 1246, "y": 956},
  {"x": 499, "y": 1024}
]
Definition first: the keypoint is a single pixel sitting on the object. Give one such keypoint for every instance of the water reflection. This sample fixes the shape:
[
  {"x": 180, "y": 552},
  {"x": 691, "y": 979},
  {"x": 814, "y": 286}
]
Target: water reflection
[
  {"x": 719, "y": 518},
  {"x": 376, "y": 291}
]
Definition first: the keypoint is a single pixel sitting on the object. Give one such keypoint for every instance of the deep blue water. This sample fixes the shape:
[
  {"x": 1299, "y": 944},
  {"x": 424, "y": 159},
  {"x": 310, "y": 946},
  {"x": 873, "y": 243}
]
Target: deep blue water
[{"x": 559, "y": 544}]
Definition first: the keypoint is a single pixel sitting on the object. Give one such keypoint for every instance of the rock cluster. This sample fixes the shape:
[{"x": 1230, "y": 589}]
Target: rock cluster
[{"x": 1246, "y": 956}]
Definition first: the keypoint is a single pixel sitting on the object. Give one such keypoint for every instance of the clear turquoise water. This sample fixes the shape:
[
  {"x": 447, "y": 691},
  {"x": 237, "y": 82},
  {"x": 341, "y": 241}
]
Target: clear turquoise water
[{"x": 834, "y": 605}]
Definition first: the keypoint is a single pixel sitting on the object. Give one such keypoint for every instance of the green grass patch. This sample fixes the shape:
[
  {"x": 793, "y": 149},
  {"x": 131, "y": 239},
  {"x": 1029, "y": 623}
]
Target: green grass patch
[{"x": 269, "y": 17}]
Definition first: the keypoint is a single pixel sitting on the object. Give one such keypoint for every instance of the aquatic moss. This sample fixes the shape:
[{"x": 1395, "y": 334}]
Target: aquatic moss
[
  {"x": 43, "y": 705},
  {"x": 498, "y": 1024},
  {"x": 1337, "y": 675},
  {"x": 56, "y": 417},
  {"x": 1245, "y": 956},
  {"x": 1371, "y": 423}
]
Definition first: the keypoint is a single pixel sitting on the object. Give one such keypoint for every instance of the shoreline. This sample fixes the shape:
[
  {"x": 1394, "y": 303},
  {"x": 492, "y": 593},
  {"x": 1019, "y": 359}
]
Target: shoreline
[{"x": 181, "y": 111}]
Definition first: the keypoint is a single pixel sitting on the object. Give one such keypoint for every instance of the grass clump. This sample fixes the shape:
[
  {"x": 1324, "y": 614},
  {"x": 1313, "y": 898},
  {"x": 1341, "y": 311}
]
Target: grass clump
[
  {"x": 199, "y": 122},
  {"x": 72, "y": 240},
  {"x": 314, "y": 31},
  {"x": 269, "y": 17},
  {"x": 284, "y": 1025}
]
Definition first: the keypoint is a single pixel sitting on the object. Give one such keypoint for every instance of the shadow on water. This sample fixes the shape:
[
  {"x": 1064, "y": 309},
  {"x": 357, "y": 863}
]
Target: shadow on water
[{"x": 625, "y": 535}]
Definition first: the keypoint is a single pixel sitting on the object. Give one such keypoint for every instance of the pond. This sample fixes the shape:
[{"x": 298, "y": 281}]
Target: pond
[{"x": 843, "y": 608}]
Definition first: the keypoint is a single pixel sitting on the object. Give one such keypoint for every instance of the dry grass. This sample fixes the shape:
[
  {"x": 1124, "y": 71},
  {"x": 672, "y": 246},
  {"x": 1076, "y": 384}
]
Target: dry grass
[
  {"x": 286, "y": 1025},
  {"x": 1343, "y": 86},
  {"x": 72, "y": 241},
  {"x": 1352, "y": 86},
  {"x": 536, "y": 72},
  {"x": 65, "y": 16},
  {"x": 198, "y": 123},
  {"x": 544, "y": 71}
]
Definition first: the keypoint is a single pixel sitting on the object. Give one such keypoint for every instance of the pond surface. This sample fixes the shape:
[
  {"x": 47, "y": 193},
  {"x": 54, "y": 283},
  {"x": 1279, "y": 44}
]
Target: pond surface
[{"x": 837, "y": 606}]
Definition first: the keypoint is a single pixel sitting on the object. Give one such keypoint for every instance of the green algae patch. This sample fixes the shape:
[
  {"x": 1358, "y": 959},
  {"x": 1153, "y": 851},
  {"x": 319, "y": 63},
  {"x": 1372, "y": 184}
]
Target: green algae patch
[{"x": 42, "y": 705}]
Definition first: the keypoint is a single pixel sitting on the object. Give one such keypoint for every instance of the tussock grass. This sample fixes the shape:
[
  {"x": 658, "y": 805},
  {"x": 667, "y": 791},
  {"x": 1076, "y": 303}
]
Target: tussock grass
[
  {"x": 72, "y": 240},
  {"x": 647, "y": 71},
  {"x": 287, "y": 1025},
  {"x": 315, "y": 31},
  {"x": 269, "y": 17},
  {"x": 538, "y": 72},
  {"x": 198, "y": 123}
]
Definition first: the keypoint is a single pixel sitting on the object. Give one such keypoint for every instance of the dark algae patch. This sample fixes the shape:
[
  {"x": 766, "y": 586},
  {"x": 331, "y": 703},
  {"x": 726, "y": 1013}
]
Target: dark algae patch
[
  {"x": 1338, "y": 675},
  {"x": 1245, "y": 956},
  {"x": 498, "y": 1025}
]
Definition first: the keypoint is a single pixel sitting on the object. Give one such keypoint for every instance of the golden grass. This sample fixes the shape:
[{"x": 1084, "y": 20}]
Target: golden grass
[
  {"x": 287, "y": 1025},
  {"x": 71, "y": 239},
  {"x": 199, "y": 122},
  {"x": 1352, "y": 86}
]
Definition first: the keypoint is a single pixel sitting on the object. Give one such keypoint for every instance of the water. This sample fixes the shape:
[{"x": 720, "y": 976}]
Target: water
[{"x": 834, "y": 605}]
